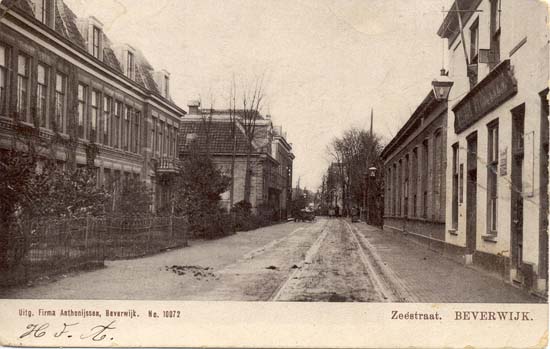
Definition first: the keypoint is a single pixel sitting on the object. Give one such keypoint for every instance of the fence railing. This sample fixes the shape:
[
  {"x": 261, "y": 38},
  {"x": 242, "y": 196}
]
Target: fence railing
[{"x": 42, "y": 248}]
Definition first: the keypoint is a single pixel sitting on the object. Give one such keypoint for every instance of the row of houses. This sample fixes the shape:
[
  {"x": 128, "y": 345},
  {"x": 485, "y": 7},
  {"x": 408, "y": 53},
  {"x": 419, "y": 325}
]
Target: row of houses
[
  {"x": 63, "y": 77},
  {"x": 469, "y": 173}
]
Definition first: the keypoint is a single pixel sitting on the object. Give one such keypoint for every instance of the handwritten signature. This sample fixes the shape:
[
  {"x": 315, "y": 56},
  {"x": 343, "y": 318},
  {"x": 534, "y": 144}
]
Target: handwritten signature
[{"x": 96, "y": 333}]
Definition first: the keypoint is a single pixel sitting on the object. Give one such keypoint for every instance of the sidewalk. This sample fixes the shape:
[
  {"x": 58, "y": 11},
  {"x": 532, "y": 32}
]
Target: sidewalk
[{"x": 434, "y": 278}]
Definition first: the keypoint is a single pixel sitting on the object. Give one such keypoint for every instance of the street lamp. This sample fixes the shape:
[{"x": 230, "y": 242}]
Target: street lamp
[
  {"x": 372, "y": 171},
  {"x": 370, "y": 188},
  {"x": 442, "y": 86}
]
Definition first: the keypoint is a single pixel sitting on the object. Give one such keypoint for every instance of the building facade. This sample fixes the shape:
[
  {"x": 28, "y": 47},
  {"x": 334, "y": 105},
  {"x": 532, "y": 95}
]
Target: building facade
[
  {"x": 271, "y": 157},
  {"x": 61, "y": 76},
  {"x": 414, "y": 174},
  {"x": 497, "y": 173}
]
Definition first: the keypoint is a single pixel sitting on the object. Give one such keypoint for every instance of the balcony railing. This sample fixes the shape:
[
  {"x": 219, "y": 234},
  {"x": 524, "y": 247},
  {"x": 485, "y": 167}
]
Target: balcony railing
[{"x": 168, "y": 165}]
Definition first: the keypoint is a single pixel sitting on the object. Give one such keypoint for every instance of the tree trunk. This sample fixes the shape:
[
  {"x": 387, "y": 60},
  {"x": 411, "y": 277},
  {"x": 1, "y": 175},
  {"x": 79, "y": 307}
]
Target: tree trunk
[
  {"x": 233, "y": 156},
  {"x": 247, "y": 176}
]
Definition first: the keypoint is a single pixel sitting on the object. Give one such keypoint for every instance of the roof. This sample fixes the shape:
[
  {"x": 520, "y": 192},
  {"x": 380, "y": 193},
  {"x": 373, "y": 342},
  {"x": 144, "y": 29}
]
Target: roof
[
  {"x": 66, "y": 25},
  {"x": 423, "y": 109},
  {"x": 449, "y": 28},
  {"x": 220, "y": 136}
]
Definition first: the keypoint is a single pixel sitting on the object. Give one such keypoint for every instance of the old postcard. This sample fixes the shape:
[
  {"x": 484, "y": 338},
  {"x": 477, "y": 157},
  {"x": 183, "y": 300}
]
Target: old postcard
[{"x": 295, "y": 173}]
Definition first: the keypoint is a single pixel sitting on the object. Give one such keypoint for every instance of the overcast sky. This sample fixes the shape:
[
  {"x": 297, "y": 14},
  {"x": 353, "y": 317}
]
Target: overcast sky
[{"x": 326, "y": 62}]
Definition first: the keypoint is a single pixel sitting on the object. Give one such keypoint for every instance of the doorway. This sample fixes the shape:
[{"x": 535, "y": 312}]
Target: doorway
[
  {"x": 471, "y": 195},
  {"x": 516, "y": 248}
]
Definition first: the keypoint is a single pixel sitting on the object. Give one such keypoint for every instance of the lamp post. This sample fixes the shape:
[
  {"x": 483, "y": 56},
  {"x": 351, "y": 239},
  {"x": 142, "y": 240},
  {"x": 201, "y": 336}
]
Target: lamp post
[
  {"x": 370, "y": 181},
  {"x": 442, "y": 86}
]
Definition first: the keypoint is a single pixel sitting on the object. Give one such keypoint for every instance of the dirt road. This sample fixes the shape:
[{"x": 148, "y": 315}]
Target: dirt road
[{"x": 327, "y": 260}]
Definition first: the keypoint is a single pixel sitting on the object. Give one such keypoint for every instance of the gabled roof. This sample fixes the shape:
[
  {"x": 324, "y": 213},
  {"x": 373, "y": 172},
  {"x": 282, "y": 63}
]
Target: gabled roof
[{"x": 219, "y": 132}]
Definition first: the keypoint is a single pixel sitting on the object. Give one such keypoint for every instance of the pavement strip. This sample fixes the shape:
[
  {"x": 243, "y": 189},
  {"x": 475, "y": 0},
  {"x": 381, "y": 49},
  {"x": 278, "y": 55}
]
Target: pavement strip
[
  {"x": 307, "y": 260},
  {"x": 388, "y": 283},
  {"x": 266, "y": 247}
]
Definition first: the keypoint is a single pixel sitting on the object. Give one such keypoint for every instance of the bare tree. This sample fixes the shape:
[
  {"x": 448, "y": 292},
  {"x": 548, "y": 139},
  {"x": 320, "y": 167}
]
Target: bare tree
[
  {"x": 244, "y": 114},
  {"x": 354, "y": 152}
]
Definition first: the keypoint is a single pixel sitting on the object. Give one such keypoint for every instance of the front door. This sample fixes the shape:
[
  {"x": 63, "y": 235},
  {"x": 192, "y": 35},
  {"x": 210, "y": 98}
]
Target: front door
[
  {"x": 471, "y": 195},
  {"x": 517, "y": 197}
]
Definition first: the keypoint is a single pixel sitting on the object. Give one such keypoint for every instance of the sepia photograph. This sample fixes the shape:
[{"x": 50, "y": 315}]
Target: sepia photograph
[{"x": 366, "y": 152}]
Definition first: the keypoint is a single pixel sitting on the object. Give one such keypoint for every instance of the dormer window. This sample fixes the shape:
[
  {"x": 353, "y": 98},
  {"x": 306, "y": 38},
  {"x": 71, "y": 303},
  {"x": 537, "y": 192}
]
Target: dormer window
[
  {"x": 166, "y": 91},
  {"x": 43, "y": 11},
  {"x": 162, "y": 78},
  {"x": 92, "y": 30},
  {"x": 130, "y": 65},
  {"x": 96, "y": 42}
]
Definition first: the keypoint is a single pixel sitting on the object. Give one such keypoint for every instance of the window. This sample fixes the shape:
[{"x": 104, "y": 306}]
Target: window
[
  {"x": 414, "y": 175},
  {"x": 437, "y": 173},
  {"x": 474, "y": 42},
  {"x": 41, "y": 94},
  {"x": 153, "y": 125},
  {"x": 168, "y": 140},
  {"x": 174, "y": 141},
  {"x": 495, "y": 33},
  {"x": 126, "y": 128},
  {"x": 130, "y": 65},
  {"x": 107, "y": 105},
  {"x": 455, "y": 187},
  {"x": 22, "y": 86},
  {"x": 60, "y": 101},
  {"x": 474, "y": 49},
  {"x": 406, "y": 186},
  {"x": 160, "y": 138},
  {"x": 42, "y": 11},
  {"x": 82, "y": 99},
  {"x": 116, "y": 125},
  {"x": 394, "y": 190},
  {"x": 137, "y": 133},
  {"x": 425, "y": 164},
  {"x": 3, "y": 77},
  {"x": 158, "y": 135},
  {"x": 492, "y": 168},
  {"x": 400, "y": 186},
  {"x": 94, "y": 116},
  {"x": 96, "y": 39}
]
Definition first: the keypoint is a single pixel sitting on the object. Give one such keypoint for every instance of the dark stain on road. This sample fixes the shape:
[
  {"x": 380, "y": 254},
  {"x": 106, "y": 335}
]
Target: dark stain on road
[{"x": 197, "y": 272}]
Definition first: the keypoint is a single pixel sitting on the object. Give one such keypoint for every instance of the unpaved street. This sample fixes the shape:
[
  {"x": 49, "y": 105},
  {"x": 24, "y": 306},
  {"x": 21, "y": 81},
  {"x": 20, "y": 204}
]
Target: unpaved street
[{"x": 327, "y": 260}]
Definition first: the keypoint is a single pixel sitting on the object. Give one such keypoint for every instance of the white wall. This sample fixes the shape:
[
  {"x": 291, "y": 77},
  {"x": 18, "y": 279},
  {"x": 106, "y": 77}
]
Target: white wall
[{"x": 519, "y": 20}]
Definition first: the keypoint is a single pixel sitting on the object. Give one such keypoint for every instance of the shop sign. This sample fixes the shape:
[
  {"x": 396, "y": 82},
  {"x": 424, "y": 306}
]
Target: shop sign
[{"x": 497, "y": 87}]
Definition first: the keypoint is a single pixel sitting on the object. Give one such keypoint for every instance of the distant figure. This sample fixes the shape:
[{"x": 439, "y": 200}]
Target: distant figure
[
  {"x": 355, "y": 214},
  {"x": 337, "y": 211}
]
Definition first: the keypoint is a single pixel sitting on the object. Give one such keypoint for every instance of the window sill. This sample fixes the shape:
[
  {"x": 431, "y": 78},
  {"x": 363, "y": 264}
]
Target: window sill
[
  {"x": 453, "y": 232},
  {"x": 489, "y": 238}
]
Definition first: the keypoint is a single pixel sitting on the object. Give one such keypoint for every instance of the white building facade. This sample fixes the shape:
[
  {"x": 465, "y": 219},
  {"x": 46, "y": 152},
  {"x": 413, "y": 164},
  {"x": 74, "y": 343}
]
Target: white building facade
[{"x": 497, "y": 168}]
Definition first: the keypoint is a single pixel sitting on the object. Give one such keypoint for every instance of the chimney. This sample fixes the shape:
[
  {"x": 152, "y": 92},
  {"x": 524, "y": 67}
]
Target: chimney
[{"x": 194, "y": 106}]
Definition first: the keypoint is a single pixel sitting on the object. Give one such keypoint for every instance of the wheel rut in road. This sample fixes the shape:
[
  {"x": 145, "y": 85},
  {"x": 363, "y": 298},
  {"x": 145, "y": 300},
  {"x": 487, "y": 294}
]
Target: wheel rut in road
[
  {"x": 338, "y": 272},
  {"x": 258, "y": 274}
]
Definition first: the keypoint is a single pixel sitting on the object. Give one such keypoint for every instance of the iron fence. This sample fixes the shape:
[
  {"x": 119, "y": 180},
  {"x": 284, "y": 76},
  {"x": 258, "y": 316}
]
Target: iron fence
[
  {"x": 41, "y": 248},
  {"x": 136, "y": 237}
]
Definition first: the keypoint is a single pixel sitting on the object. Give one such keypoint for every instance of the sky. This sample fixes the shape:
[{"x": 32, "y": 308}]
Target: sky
[{"x": 326, "y": 63}]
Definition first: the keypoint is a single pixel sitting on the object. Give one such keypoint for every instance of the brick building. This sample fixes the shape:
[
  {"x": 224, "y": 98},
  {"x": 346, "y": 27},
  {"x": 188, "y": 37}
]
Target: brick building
[
  {"x": 63, "y": 76},
  {"x": 497, "y": 176},
  {"x": 271, "y": 157},
  {"x": 414, "y": 164}
]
